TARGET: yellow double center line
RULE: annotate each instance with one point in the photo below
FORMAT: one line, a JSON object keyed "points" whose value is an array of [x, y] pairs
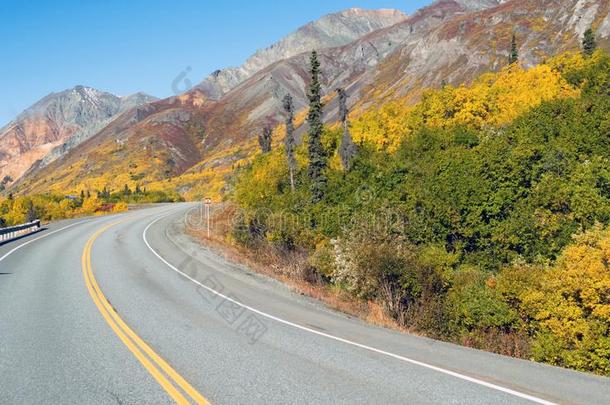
{"points": [[165, 375]]}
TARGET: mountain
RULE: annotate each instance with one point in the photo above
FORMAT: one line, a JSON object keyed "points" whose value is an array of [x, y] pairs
{"points": [[57, 123], [153, 141], [448, 41], [200, 136], [186, 117], [328, 32]]}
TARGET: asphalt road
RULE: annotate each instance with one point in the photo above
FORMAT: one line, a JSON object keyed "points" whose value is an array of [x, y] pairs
{"points": [[126, 309]]}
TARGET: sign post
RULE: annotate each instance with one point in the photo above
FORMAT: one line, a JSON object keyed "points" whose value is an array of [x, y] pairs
{"points": [[207, 202]]}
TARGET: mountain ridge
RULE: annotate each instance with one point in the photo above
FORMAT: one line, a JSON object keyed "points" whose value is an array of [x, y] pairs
{"points": [[58, 120], [329, 31]]}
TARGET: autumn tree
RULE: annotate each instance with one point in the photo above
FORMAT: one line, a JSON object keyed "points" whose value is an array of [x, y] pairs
{"points": [[513, 56], [347, 149], [571, 310], [317, 154], [290, 141], [264, 140], [588, 43]]}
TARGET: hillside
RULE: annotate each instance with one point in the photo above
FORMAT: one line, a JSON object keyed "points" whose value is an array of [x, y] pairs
{"points": [[479, 215]]}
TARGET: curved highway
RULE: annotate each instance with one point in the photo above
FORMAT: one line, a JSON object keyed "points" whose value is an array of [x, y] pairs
{"points": [[127, 309]]}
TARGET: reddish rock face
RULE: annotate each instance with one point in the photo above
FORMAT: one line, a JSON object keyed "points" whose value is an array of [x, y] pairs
{"points": [[59, 120], [28, 140]]}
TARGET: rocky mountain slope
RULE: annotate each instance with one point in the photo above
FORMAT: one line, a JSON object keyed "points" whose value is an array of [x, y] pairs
{"points": [[449, 41], [328, 32], [57, 123], [475, 5], [154, 141], [471, 44]]}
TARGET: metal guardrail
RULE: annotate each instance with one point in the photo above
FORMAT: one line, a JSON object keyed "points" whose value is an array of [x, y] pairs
{"points": [[18, 231]]}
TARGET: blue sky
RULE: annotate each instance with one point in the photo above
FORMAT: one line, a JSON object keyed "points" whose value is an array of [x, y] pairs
{"points": [[133, 45]]}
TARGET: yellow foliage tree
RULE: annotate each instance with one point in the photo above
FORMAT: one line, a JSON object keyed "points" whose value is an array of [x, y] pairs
{"points": [[495, 99], [17, 211], [120, 207], [572, 306], [91, 205]]}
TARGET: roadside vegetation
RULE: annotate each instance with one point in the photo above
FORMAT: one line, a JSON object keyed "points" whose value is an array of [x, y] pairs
{"points": [[16, 210], [479, 215]]}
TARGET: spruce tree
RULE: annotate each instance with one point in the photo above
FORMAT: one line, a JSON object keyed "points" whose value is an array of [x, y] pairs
{"points": [[348, 149], [317, 154], [289, 141], [31, 213], [264, 140], [513, 57], [588, 43]]}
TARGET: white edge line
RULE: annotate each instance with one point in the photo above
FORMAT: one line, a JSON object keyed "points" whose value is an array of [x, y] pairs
{"points": [[40, 237], [349, 342]]}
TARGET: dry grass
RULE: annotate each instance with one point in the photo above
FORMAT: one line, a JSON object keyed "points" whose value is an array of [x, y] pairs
{"points": [[292, 270]]}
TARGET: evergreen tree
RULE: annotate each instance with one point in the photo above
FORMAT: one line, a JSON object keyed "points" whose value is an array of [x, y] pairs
{"points": [[82, 195], [126, 190], [290, 141], [138, 190], [588, 43], [88, 194], [513, 57], [317, 154], [264, 140], [31, 214], [348, 149]]}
